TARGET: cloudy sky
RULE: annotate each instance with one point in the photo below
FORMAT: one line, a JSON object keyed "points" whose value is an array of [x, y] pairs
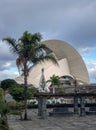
{"points": [[73, 21]]}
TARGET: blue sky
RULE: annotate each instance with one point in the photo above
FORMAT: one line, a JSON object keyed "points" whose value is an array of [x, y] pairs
{"points": [[90, 61], [72, 21]]}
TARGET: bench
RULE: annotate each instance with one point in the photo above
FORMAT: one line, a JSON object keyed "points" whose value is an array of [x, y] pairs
{"points": [[92, 111], [60, 111]]}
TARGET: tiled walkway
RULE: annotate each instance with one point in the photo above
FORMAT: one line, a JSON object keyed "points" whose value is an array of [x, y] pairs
{"points": [[74, 122]]}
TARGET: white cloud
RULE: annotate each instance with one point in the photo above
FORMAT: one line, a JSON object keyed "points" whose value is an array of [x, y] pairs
{"points": [[6, 65], [70, 20], [91, 66], [7, 59], [5, 53], [8, 74], [86, 49]]}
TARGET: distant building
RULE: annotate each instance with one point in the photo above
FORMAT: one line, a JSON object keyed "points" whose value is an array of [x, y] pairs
{"points": [[71, 65]]}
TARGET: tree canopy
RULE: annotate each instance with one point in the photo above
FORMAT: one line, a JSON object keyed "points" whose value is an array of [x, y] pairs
{"points": [[7, 83]]}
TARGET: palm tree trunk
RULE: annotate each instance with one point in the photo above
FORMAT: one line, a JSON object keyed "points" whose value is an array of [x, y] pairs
{"points": [[25, 91], [53, 89]]}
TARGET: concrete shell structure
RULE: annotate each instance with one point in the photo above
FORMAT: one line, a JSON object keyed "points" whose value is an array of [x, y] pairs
{"points": [[70, 63]]}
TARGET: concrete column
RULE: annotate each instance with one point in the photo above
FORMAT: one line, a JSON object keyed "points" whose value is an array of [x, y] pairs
{"points": [[42, 107], [82, 106], [76, 104]]}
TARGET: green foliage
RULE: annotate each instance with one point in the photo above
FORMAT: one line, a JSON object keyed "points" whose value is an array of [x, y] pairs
{"points": [[15, 89], [7, 83], [3, 125], [4, 109], [54, 80], [18, 92], [29, 50], [16, 107], [31, 92], [1, 96], [3, 105]]}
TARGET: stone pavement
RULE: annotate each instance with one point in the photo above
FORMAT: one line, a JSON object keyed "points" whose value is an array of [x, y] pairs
{"points": [[74, 122]]}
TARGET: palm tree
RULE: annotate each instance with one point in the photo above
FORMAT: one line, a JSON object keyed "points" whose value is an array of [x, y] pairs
{"points": [[29, 51], [55, 81]]}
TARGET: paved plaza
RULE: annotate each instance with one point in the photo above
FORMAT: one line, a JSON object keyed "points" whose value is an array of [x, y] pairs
{"points": [[72, 122]]}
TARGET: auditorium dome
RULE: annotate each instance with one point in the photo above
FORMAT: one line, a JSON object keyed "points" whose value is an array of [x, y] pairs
{"points": [[70, 64]]}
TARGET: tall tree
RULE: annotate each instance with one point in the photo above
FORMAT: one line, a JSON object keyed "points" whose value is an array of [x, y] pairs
{"points": [[30, 52]]}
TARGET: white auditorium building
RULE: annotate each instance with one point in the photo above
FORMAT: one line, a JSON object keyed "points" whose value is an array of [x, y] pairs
{"points": [[70, 62]]}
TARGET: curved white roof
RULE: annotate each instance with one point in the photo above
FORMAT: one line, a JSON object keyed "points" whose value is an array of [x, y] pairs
{"points": [[76, 64], [70, 63]]}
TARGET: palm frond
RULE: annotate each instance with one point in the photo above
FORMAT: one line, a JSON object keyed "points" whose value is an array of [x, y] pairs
{"points": [[36, 38], [49, 58], [12, 44], [41, 46], [44, 58], [48, 81], [55, 80], [37, 60]]}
